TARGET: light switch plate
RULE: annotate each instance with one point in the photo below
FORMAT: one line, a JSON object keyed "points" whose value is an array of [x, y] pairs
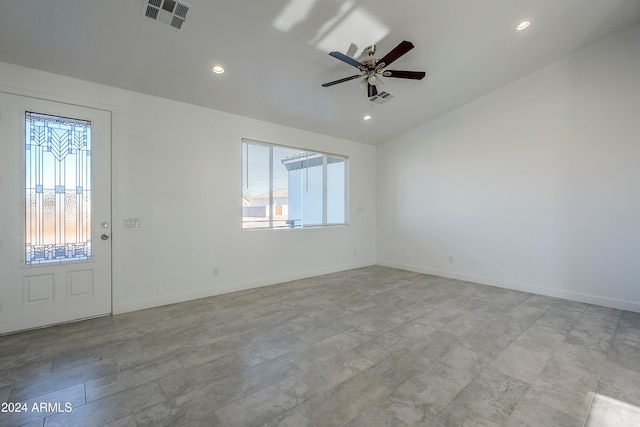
{"points": [[131, 222]]}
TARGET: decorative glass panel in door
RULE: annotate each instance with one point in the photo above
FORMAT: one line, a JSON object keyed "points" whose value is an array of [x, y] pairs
{"points": [[58, 189]]}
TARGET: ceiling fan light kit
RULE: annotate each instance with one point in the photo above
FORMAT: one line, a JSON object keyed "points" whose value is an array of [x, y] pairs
{"points": [[371, 68]]}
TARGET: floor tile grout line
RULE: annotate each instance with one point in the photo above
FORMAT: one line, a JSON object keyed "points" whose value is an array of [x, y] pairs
{"points": [[586, 417], [312, 395], [546, 363], [593, 396]]}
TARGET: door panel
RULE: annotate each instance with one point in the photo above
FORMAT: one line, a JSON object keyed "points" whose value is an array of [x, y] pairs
{"points": [[56, 204]]}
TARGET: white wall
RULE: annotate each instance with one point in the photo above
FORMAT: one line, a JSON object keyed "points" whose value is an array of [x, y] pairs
{"points": [[535, 186], [177, 167]]}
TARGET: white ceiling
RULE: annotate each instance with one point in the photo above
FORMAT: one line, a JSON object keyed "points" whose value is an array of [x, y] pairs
{"points": [[275, 52]]}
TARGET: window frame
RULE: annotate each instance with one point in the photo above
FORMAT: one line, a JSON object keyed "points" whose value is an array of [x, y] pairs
{"points": [[325, 156]]}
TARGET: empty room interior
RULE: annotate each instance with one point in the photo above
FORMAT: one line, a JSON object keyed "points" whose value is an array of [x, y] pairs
{"points": [[319, 213]]}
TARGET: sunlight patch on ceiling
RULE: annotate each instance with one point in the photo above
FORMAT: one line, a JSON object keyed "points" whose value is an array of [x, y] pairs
{"points": [[327, 26], [293, 13], [349, 24], [358, 26]]}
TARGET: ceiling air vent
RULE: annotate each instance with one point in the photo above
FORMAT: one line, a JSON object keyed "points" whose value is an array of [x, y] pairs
{"points": [[381, 98], [168, 12]]}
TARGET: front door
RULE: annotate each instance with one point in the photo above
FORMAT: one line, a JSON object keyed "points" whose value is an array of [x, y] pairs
{"points": [[55, 199]]}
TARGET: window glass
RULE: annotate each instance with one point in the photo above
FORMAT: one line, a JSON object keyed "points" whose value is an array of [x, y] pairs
{"points": [[255, 186], [57, 189], [336, 185], [286, 187]]}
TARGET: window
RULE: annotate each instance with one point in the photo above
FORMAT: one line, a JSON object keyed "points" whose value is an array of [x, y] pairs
{"points": [[284, 187], [57, 189]]}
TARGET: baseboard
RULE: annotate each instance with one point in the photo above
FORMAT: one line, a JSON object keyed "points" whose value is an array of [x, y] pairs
{"points": [[233, 287], [524, 287]]}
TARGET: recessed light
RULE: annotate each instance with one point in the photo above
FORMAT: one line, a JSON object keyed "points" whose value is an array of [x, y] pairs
{"points": [[523, 25], [218, 69], [367, 117]]}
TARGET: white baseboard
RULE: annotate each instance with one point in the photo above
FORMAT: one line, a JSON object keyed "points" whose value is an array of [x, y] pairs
{"points": [[524, 287], [490, 281], [233, 287]]}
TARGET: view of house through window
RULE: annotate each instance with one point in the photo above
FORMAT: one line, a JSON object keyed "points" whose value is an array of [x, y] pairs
{"points": [[284, 187]]}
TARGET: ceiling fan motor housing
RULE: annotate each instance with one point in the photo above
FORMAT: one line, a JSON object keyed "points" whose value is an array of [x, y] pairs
{"points": [[370, 62]]}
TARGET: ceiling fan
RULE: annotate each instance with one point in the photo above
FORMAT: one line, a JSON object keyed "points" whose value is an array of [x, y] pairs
{"points": [[371, 68]]}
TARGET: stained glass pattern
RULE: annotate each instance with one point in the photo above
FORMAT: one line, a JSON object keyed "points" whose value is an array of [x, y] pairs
{"points": [[57, 189]]}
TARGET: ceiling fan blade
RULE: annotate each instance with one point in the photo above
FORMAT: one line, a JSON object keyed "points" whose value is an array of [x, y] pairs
{"points": [[352, 50], [344, 58], [346, 79], [371, 90], [402, 48], [415, 75]]}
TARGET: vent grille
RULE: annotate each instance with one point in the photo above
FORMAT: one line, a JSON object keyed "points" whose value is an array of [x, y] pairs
{"points": [[381, 98], [167, 12]]}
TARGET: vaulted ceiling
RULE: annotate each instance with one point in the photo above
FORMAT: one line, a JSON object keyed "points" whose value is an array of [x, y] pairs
{"points": [[275, 52]]}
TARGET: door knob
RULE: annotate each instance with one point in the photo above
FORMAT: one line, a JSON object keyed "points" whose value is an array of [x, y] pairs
{"points": [[105, 236]]}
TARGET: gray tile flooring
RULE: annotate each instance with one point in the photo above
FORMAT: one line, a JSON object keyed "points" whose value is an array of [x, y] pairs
{"points": [[367, 347]]}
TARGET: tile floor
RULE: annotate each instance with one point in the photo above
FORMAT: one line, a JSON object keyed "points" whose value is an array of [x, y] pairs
{"points": [[367, 347]]}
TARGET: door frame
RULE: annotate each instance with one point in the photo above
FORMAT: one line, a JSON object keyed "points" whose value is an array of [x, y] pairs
{"points": [[75, 102]]}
